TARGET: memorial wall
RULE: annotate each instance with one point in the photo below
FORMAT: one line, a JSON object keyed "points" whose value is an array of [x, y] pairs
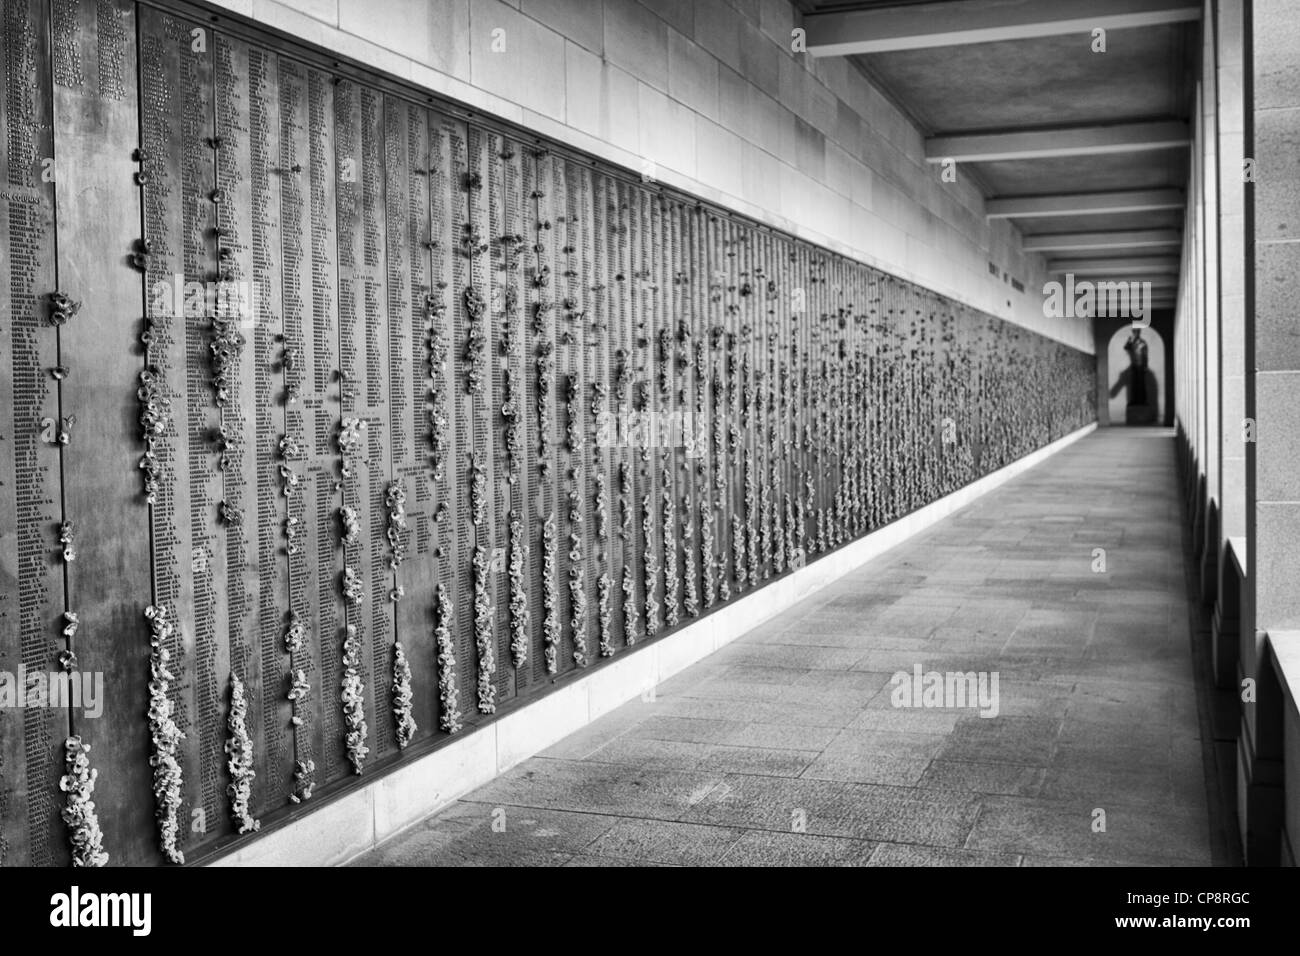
{"points": [[335, 420]]}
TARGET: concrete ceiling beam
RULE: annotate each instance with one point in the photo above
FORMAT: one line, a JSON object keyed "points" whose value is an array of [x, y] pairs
{"points": [[1160, 284], [1117, 239], [1126, 266], [1052, 143], [1083, 204], [958, 22]]}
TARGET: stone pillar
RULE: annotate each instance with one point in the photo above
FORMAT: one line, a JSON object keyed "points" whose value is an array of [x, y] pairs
{"points": [[1207, 146], [1272, 400], [1192, 287], [1225, 627]]}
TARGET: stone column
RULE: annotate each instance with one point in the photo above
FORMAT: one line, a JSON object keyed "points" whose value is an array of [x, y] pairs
{"points": [[1207, 152], [1272, 400], [1225, 627], [1192, 302]]}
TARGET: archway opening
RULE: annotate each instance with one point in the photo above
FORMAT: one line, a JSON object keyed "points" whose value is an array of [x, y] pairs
{"points": [[1136, 363]]}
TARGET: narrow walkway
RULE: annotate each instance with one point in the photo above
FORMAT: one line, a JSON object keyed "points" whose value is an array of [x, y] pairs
{"points": [[785, 746]]}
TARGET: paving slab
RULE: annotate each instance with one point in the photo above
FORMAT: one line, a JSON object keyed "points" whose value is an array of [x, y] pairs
{"points": [[773, 848]]}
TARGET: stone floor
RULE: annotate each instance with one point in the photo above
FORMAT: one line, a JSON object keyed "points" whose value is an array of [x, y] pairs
{"points": [[784, 747]]}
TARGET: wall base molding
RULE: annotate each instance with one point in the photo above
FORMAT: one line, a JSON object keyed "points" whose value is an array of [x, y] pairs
{"points": [[355, 822]]}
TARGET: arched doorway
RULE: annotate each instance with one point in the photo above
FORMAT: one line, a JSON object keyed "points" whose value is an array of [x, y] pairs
{"points": [[1136, 397]]}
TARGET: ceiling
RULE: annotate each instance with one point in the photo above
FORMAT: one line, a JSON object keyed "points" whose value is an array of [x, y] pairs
{"points": [[1014, 90]]}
